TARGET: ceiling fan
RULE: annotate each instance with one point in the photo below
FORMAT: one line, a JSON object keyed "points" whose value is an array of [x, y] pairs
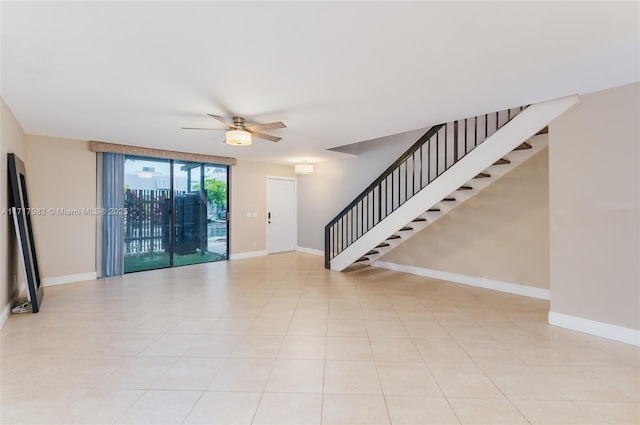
{"points": [[240, 132]]}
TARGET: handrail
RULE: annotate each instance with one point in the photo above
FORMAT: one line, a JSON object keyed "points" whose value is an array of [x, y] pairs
{"points": [[436, 151]]}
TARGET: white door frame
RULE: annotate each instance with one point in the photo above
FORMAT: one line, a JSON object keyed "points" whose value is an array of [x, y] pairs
{"points": [[295, 208]]}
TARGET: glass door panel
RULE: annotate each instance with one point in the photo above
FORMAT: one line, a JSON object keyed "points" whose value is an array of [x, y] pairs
{"points": [[216, 190], [199, 202], [147, 230]]}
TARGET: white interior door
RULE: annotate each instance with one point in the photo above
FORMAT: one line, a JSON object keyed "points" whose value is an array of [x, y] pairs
{"points": [[281, 214]]}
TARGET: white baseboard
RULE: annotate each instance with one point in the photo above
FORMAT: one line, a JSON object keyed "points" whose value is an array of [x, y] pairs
{"points": [[481, 282], [19, 291], [310, 251], [5, 314], [250, 254], [604, 330], [71, 278]]}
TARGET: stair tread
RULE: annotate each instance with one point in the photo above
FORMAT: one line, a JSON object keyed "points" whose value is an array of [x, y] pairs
{"points": [[523, 146], [361, 259], [405, 228], [433, 210], [465, 187], [482, 176], [382, 245], [502, 161], [449, 199], [372, 252], [393, 237], [419, 219], [543, 131]]}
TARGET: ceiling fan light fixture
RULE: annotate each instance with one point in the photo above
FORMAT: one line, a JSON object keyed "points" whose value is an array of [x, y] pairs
{"points": [[304, 168], [238, 138]]}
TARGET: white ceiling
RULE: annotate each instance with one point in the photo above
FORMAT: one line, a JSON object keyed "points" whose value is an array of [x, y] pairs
{"points": [[336, 73]]}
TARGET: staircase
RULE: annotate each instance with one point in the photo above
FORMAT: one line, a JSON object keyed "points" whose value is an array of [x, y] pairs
{"points": [[449, 164]]}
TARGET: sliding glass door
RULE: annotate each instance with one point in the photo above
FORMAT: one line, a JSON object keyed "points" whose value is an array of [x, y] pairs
{"points": [[176, 213]]}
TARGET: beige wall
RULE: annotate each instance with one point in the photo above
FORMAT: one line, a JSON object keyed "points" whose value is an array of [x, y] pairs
{"points": [[501, 234], [248, 195], [62, 175], [11, 141], [594, 176]]}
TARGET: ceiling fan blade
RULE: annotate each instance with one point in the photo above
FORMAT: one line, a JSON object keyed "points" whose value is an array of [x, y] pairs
{"points": [[223, 120], [268, 126], [200, 128], [264, 136]]}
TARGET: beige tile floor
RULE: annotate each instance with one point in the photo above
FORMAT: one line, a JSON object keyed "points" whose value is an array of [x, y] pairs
{"points": [[280, 340]]}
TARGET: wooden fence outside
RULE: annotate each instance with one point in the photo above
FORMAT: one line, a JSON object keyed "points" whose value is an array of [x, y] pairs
{"points": [[147, 216]]}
